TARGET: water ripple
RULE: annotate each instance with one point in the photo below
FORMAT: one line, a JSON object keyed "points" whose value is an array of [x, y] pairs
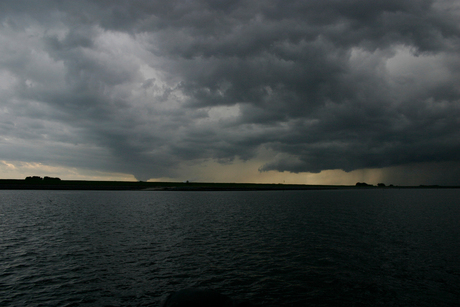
{"points": [[321, 248]]}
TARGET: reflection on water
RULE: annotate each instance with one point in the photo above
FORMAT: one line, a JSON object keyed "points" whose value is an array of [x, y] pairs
{"points": [[322, 248]]}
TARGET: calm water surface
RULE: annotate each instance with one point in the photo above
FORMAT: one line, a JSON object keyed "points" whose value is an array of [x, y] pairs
{"points": [[293, 248]]}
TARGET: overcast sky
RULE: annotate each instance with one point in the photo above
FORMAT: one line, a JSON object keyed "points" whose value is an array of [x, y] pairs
{"points": [[331, 91]]}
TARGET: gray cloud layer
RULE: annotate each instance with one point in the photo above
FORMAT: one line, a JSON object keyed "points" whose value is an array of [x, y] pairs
{"points": [[141, 86]]}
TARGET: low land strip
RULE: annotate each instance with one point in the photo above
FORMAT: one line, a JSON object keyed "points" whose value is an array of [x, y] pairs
{"points": [[18, 184]]}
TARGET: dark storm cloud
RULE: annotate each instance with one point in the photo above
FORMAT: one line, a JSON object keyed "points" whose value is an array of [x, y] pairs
{"points": [[322, 84]]}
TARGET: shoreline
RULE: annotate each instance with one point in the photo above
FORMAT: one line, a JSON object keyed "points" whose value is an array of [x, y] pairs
{"points": [[20, 184]]}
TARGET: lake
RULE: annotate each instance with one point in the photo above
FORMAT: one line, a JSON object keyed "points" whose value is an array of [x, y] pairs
{"points": [[379, 247]]}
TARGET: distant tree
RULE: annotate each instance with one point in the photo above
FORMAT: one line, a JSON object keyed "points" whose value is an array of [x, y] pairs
{"points": [[363, 184], [381, 185], [34, 178], [51, 178]]}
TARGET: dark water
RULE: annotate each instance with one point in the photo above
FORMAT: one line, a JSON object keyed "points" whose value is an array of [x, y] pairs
{"points": [[297, 248]]}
